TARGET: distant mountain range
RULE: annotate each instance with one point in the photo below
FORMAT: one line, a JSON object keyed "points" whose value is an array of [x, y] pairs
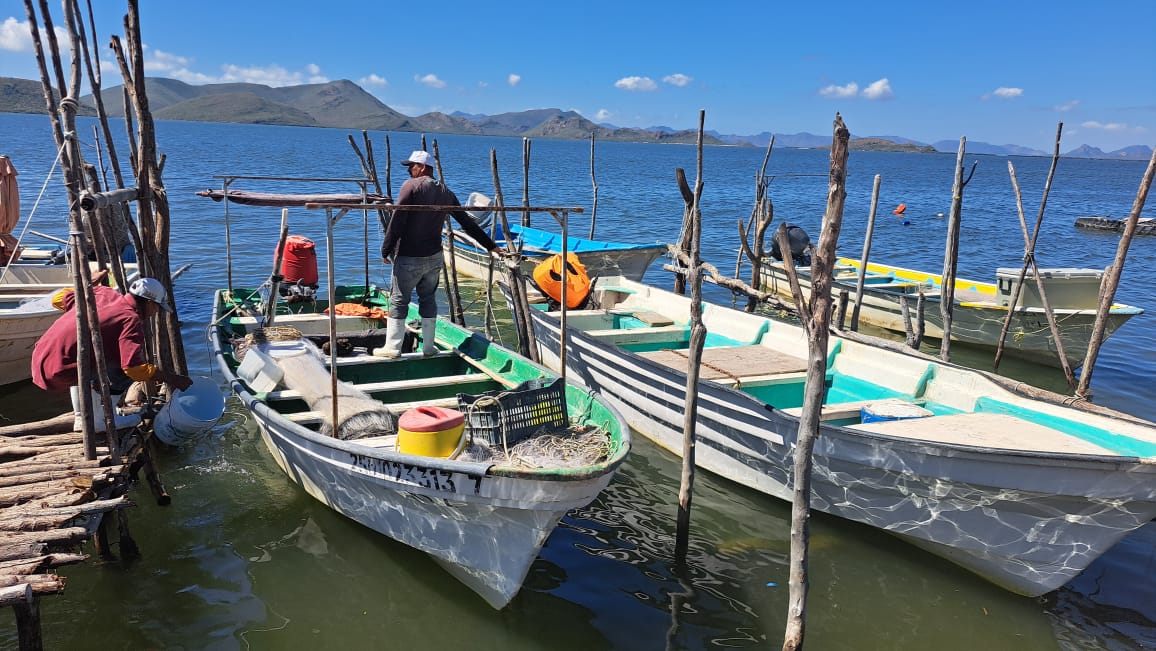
{"points": [[345, 105]]}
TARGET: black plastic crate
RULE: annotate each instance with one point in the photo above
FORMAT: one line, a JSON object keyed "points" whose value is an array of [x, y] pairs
{"points": [[531, 407]]}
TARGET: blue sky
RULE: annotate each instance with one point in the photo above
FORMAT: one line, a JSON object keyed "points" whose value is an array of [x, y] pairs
{"points": [[1001, 72]]}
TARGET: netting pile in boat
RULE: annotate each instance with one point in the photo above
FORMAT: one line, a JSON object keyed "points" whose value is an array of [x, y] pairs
{"points": [[358, 414], [576, 446], [528, 426]]}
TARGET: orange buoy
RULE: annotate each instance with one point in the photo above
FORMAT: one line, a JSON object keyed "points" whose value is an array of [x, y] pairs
{"points": [[900, 209]]}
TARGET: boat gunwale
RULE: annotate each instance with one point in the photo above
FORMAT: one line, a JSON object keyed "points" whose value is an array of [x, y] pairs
{"points": [[260, 408]]}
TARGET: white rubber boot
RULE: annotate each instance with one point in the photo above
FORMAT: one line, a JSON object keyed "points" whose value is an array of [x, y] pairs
{"points": [[119, 420], [394, 336], [429, 328]]}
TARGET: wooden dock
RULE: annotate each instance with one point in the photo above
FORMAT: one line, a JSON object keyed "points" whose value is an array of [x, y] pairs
{"points": [[53, 500]]}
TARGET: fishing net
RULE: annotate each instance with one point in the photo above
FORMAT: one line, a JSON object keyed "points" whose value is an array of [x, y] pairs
{"points": [[575, 446], [528, 427], [358, 414]]}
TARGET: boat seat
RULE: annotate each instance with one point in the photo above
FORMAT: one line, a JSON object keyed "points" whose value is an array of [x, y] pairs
{"points": [[842, 410], [732, 365], [653, 319], [396, 385], [309, 324], [395, 408], [618, 337]]}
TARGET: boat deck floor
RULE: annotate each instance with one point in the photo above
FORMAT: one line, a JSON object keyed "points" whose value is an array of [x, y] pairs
{"points": [[731, 362], [996, 431]]}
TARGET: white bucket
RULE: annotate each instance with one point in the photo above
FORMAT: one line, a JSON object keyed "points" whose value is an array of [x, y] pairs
{"points": [[190, 412]]}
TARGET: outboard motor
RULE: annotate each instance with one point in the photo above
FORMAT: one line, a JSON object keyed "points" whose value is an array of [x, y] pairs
{"points": [[800, 246]]}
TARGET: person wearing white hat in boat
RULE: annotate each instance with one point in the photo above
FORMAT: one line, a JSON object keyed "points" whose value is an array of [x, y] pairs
{"points": [[413, 245], [121, 317]]}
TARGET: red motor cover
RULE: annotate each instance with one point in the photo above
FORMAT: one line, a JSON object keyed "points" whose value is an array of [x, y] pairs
{"points": [[300, 261], [428, 418]]}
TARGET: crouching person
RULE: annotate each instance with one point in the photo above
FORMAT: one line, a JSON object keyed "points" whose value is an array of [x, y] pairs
{"points": [[121, 318]]}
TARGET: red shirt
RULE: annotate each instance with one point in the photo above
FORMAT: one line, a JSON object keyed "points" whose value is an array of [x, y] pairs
{"points": [[121, 331]]}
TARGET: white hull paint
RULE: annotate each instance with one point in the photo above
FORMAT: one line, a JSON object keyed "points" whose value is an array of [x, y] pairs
{"points": [[485, 530], [1026, 521]]}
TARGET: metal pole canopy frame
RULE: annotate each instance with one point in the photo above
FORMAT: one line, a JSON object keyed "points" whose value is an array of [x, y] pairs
{"points": [[560, 213], [274, 200]]}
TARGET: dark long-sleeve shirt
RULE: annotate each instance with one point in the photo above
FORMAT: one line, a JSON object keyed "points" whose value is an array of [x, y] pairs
{"points": [[418, 234]]}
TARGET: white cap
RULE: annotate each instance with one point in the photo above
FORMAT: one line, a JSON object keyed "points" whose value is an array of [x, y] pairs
{"points": [[419, 157], [151, 289]]}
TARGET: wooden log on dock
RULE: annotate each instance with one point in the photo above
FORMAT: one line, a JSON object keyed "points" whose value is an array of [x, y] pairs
{"points": [[61, 423], [15, 594]]}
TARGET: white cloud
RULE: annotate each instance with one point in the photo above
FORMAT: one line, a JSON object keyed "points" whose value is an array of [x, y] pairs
{"points": [[373, 80], [430, 80], [15, 36], [878, 90], [1110, 126], [272, 75], [602, 115], [1068, 106], [840, 92], [677, 79], [1005, 93], [513, 79], [636, 83], [160, 61]]}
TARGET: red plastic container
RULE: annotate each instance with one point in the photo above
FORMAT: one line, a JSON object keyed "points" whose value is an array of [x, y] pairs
{"points": [[430, 419], [300, 261]]}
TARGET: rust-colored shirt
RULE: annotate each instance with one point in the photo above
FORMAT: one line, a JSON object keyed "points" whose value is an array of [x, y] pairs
{"points": [[121, 330]]}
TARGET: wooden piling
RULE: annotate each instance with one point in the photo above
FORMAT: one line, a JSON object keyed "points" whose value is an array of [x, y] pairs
{"points": [[687, 217], [1112, 279], [951, 252], [594, 183], [1030, 260], [450, 267], [527, 345], [694, 355], [866, 254], [817, 325], [762, 214]]}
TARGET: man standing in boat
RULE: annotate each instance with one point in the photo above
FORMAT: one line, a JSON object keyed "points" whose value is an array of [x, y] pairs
{"points": [[121, 317], [413, 245]]}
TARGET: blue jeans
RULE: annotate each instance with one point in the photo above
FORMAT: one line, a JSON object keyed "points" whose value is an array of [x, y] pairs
{"points": [[421, 274]]}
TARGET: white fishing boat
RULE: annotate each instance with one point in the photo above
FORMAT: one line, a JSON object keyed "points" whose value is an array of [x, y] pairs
{"points": [[26, 311], [980, 308], [1015, 486], [510, 449]]}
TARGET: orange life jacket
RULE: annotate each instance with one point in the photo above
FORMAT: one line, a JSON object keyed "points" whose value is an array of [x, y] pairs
{"points": [[548, 278]]}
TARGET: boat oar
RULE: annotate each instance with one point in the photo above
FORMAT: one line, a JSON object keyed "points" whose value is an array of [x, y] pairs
{"points": [[276, 278]]}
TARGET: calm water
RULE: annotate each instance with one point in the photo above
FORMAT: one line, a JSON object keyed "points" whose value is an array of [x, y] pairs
{"points": [[243, 559]]}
